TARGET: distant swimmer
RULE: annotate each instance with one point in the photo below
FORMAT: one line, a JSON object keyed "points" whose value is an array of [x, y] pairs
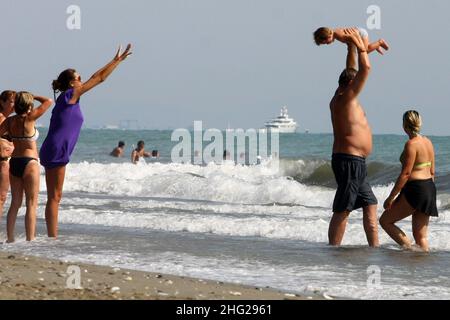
{"points": [[155, 154], [415, 187], [64, 130], [226, 155], [352, 145], [328, 36], [119, 150], [139, 153]]}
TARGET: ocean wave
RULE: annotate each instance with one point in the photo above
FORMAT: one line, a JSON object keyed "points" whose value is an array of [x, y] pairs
{"points": [[265, 184], [319, 172]]}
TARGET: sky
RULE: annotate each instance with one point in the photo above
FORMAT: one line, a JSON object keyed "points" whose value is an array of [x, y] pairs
{"points": [[229, 62]]}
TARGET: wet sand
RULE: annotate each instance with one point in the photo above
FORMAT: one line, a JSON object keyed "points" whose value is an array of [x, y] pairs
{"points": [[30, 278]]}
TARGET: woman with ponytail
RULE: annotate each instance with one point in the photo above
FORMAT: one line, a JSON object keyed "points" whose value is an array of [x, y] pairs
{"points": [[64, 130], [415, 186]]}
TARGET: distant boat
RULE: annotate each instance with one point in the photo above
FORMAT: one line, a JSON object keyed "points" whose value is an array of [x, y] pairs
{"points": [[283, 123]]}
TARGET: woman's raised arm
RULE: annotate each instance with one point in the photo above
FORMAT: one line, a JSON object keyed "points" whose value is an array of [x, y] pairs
{"points": [[101, 75]]}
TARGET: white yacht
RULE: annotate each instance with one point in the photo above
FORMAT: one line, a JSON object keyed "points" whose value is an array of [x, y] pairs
{"points": [[283, 123]]}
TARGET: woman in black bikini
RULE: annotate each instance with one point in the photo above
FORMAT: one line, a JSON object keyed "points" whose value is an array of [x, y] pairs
{"points": [[415, 185], [6, 148], [24, 164]]}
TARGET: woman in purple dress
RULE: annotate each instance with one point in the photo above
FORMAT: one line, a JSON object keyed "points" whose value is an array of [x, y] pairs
{"points": [[64, 130]]}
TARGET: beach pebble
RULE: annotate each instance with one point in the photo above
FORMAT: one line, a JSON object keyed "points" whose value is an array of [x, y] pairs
{"points": [[11, 257], [169, 282], [160, 293], [40, 272], [158, 276], [235, 293], [116, 269], [290, 295], [128, 278], [41, 279], [115, 289]]}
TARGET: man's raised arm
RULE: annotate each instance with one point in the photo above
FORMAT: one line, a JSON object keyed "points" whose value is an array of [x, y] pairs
{"points": [[358, 83], [351, 56]]}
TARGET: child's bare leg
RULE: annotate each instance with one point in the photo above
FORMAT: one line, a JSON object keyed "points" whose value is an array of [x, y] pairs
{"points": [[377, 46]]}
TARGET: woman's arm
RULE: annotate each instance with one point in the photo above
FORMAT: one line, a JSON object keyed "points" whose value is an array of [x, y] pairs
{"points": [[101, 75], [6, 148], [4, 127], [433, 172], [408, 164], [46, 103]]}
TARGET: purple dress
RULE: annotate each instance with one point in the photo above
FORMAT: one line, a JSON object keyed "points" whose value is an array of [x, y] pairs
{"points": [[65, 127]]}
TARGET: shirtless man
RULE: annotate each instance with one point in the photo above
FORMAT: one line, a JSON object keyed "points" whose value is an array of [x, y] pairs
{"points": [[118, 151], [352, 145], [139, 152]]}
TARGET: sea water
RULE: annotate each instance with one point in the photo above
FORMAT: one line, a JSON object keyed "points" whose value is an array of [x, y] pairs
{"points": [[263, 225]]}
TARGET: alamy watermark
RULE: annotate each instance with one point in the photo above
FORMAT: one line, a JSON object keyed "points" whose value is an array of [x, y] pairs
{"points": [[203, 146], [374, 19], [73, 21], [73, 281], [374, 278]]}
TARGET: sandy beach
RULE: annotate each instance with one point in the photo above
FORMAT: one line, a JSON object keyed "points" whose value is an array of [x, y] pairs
{"points": [[30, 278]]}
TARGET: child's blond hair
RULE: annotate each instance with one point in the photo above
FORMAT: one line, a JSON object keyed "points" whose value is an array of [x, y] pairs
{"points": [[321, 35]]}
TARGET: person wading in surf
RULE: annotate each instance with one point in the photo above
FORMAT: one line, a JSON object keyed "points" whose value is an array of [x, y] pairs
{"points": [[352, 145]]}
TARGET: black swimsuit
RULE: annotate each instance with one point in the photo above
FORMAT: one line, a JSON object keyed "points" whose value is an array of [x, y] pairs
{"points": [[17, 165], [421, 195]]}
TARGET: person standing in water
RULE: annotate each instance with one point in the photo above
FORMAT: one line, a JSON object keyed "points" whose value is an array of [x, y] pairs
{"points": [[352, 145], [6, 147], [415, 186], [64, 130], [24, 164]]}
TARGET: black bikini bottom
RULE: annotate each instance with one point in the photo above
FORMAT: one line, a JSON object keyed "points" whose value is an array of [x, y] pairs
{"points": [[17, 166]]}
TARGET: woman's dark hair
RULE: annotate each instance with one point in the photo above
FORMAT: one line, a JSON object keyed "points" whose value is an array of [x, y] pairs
{"points": [[23, 103], [6, 95], [63, 82]]}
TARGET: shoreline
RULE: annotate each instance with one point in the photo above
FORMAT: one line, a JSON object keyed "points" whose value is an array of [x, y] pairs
{"points": [[32, 278]]}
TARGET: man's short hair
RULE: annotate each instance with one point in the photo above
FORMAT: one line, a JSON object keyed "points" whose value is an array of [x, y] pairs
{"points": [[121, 144], [346, 76]]}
